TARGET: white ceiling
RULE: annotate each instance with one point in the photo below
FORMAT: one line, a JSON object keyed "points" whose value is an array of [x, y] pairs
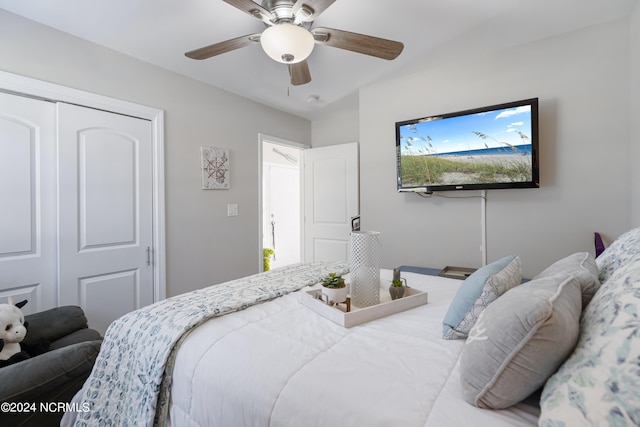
{"points": [[160, 31]]}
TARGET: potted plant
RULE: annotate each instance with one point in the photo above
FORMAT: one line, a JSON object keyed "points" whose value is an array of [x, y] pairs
{"points": [[335, 289], [267, 254], [396, 290]]}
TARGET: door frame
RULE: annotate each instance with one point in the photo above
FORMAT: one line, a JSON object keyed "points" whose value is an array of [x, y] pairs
{"points": [[280, 141], [20, 85]]}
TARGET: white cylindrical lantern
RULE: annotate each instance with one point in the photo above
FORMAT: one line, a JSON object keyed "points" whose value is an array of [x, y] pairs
{"points": [[365, 268]]}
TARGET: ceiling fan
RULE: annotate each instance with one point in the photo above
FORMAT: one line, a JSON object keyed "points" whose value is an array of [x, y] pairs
{"points": [[289, 38]]}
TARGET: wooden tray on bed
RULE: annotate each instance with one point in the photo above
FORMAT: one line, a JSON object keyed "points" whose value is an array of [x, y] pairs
{"points": [[338, 314]]}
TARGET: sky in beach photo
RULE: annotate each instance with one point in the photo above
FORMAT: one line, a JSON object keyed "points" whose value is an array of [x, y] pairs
{"points": [[455, 134]]}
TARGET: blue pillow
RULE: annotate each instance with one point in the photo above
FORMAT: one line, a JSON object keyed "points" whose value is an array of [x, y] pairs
{"points": [[479, 290]]}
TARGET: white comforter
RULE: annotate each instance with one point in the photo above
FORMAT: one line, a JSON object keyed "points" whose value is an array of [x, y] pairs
{"points": [[281, 364]]}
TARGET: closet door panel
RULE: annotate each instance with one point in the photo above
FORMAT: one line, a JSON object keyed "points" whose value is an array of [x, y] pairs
{"points": [[28, 208], [106, 212], [19, 186]]}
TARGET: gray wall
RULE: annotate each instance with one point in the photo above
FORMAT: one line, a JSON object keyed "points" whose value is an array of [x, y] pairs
{"points": [[337, 124], [204, 246], [583, 82], [635, 113]]}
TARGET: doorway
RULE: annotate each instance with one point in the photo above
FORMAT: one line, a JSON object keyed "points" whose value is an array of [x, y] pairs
{"points": [[281, 241]]}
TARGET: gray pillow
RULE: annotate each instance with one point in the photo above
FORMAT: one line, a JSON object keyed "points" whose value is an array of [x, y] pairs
{"points": [[582, 266], [519, 341]]}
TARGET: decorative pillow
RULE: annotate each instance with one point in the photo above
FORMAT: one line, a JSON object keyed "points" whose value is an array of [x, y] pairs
{"points": [[581, 265], [519, 341], [479, 290], [600, 383], [618, 253], [598, 244]]}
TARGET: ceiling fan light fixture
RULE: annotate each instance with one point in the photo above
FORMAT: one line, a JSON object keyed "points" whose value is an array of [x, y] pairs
{"points": [[287, 43]]}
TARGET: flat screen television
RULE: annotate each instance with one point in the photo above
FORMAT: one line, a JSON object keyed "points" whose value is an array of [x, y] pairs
{"points": [[483, 148]]}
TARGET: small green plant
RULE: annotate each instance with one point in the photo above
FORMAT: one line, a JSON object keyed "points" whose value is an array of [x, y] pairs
{"points": [[267, 253], [397, 283], [333, 281]]}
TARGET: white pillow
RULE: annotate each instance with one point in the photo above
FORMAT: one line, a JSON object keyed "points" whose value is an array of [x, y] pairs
{"points": [[618, 253]]}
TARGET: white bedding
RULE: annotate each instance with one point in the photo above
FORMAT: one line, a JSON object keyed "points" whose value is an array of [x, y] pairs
{"points": [[281, 364]]}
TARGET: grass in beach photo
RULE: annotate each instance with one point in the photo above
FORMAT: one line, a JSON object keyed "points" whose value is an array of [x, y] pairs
{"points": [[434, 170]]}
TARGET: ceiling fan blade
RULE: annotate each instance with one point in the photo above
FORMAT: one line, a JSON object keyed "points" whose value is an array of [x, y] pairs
{"points": [[252, 9], [360, 43], [299, 73], [308, 10], [223, 47]]}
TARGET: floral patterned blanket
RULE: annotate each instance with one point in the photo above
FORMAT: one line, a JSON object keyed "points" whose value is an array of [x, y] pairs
{"points": [[131, 379]]}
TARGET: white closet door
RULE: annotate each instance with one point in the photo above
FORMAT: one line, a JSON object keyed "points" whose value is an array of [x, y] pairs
{"points": [[27, 202], [105, 224], [331, 200]]}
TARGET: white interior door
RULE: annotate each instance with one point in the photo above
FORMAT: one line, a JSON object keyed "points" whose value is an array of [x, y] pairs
{"points": [[330, 200], [28, 202], [105, 223]]}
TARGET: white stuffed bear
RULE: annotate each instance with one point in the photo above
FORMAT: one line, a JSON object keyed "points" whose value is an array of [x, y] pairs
{"points": [[12, 332]]}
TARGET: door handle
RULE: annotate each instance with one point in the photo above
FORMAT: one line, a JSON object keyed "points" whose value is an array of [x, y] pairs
{"points": [[149, 255]]}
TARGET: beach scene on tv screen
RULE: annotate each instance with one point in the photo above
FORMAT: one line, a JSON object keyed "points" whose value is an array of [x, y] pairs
{"points": [[487, 147]]}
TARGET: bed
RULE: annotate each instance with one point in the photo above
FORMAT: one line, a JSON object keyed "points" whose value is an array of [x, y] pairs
{"points": [[276, 362], [282, 364]]}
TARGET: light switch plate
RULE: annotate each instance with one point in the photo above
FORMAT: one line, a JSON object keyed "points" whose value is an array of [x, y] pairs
{"points": [[232, 210]]}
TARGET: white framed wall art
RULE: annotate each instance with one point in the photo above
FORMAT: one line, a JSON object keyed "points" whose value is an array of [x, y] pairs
{"points": [[215, 168]]}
